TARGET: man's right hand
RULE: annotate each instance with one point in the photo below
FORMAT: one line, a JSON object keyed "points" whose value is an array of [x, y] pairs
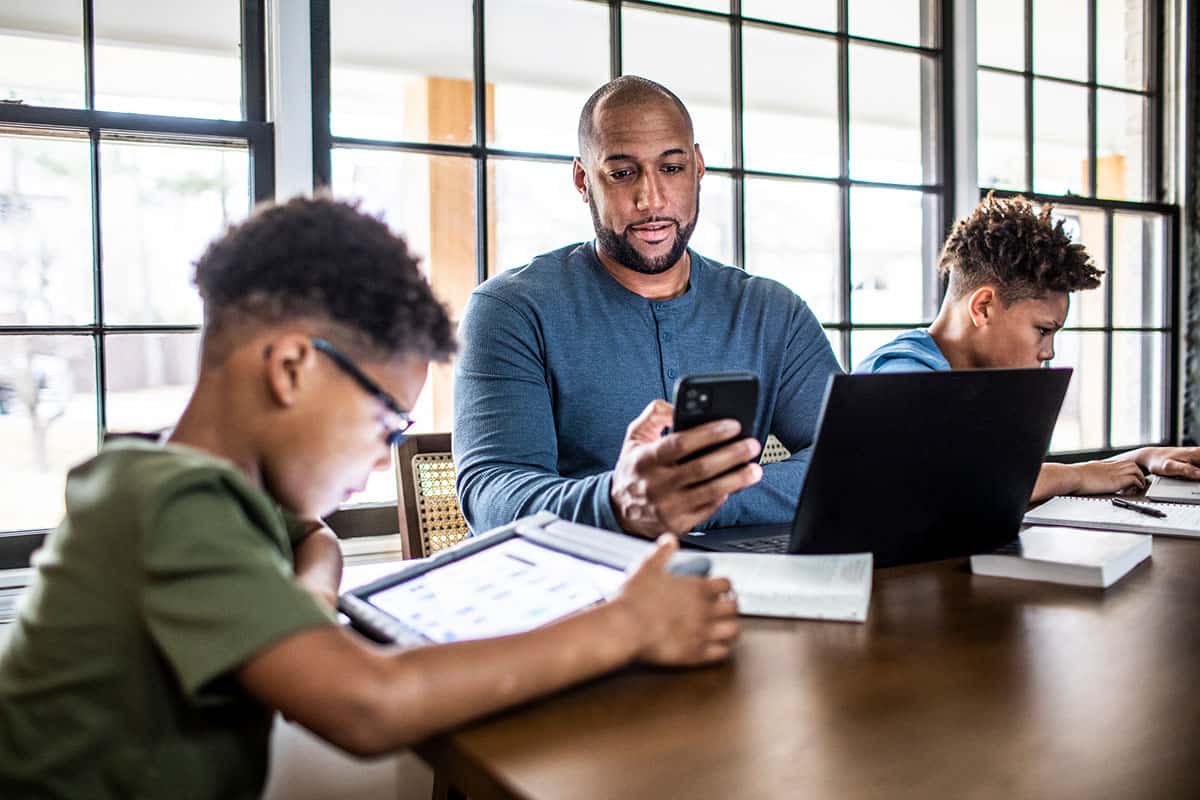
{"points": [[653, 493], [679, 621]]}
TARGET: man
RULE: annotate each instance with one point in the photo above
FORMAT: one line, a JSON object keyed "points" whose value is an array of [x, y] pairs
{"points": [[562, 353], [182, 601], [1011, 271]]}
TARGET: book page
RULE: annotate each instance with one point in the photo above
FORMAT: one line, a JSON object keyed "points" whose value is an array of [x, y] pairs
{"points": [[794, 575], [1183, 520]]}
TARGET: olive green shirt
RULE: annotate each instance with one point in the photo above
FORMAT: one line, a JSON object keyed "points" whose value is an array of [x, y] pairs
{"points": [[168, 572]]}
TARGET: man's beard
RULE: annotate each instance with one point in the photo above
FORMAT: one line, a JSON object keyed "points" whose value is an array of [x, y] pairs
{"points": [[621, 250]]}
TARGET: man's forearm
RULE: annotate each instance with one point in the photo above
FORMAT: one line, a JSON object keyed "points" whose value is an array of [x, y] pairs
{"points": [[496, 494]]}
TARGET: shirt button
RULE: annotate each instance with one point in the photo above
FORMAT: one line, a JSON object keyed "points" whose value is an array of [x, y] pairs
{"points": [[670, 373], [666, 336]]}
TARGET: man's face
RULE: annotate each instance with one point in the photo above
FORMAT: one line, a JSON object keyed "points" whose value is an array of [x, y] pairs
{"points": [[1022, 334], [641, 180], [338, 433]]}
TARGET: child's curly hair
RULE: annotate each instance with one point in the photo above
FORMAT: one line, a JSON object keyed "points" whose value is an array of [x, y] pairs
{"points": [[1022, 252], [326, 261]]}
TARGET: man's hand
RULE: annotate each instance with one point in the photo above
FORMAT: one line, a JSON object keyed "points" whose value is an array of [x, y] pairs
{"points": [[1107, 477], [1176, 462], [653, 493], [681, 621]]}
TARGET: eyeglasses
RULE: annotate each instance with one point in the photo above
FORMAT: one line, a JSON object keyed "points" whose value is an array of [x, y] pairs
{"points": [[394, 436]]}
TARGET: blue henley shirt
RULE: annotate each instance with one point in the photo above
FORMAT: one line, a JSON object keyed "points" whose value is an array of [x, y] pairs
{"points": [[558, 358]]}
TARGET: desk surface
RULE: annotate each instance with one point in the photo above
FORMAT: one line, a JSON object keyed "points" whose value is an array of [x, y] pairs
{"points": [[957, 686]]}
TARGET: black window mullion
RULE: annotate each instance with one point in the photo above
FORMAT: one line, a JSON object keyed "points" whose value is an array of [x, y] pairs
{"points": [[319, 53], [98, 288], [1092, 188], [254, 72], [739, 163], [89, 55], [479, 34], [614, 39], [1154, 78], [1108, 326], [1029, 95], [843, 111]]}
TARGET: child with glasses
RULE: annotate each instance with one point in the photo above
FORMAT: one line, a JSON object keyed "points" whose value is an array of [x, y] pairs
{"points": [[189, 593]]}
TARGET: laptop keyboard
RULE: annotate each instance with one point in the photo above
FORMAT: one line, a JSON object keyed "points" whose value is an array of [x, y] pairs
{"points": [[767, 544]]}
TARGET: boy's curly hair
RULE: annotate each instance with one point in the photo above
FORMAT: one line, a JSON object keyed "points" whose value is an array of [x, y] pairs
{"points": [[324, 260], [1022, 252]]}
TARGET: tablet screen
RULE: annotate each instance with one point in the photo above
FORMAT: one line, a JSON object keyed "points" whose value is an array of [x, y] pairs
{"points": [[512, 587]]}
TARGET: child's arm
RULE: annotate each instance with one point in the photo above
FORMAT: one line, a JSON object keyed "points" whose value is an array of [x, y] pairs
{"points": [[318, 560], [368, 699], [1091, 477]]}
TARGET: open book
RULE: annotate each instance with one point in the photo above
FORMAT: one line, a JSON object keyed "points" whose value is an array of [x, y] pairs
{"points": [[1064, 555], [816, 587], [1100, 513]]}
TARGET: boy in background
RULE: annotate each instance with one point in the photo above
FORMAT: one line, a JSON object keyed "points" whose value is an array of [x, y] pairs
{"points": [[1011, 272], [184, 599]]}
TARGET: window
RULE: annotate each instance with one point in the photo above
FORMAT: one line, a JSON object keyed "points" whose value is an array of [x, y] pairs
{"points": [[1067, 121], [131, 133], [819, 122]]}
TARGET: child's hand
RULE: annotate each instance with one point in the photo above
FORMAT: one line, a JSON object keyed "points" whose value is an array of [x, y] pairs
{"points": [[1106, 477], [680, 620], [1180, 462]]}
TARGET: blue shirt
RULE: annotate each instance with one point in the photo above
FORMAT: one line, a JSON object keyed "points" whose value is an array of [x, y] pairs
{"points": [[912, 351], [558, 358]]}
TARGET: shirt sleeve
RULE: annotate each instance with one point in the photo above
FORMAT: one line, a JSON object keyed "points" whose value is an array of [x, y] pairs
{"points": [[217, 587], [901, 363], [505, 443], [809, 361]]}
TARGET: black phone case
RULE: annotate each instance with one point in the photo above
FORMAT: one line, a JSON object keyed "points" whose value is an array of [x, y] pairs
{"points": [[725, 395]]}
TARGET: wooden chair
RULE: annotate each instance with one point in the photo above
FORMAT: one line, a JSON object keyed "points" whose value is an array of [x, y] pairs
{"points": [[774, 451], [430, 516]]}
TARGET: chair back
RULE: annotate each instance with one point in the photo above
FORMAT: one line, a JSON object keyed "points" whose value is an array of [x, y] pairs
{"points": [[430, 516], [774, 451]]}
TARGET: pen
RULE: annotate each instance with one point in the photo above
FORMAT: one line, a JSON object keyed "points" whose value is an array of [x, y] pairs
{"points": [[1149, 512]]}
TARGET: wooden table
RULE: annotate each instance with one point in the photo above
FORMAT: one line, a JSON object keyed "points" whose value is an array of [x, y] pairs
{"points": [[958, 686]]}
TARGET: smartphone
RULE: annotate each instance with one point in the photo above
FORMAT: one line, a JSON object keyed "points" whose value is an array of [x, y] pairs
{"points": [[723, 395]]}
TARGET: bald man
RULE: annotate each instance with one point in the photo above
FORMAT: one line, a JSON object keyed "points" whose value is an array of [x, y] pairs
{"points": [[568, 362]]}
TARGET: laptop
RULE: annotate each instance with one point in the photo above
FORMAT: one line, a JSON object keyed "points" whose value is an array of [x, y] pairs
{"points": [[915, 466]]}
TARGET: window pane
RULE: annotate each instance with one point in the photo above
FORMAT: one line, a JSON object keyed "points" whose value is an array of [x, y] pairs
{"points": [[535, 209], [721, 6], [144, 50], [835, 343], [1121, 26], [430, 201], [1001, 131], [41, 52], [1081, 422], [1060, 121], [1060, 38], [690, 56], [542, 81], [713, 237], [888, 275], [148, 379], [792, 236], [1138, 271], [892, 20], [863, 343], [1139, 377], [45, 231], [160, 206], [422, 91], [886, 116], [790, 126], [1000, 33], [1086, 226], [1121, 145], [47, 423], [811, 13]]}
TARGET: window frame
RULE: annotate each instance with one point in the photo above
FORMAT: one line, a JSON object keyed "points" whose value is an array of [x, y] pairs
{"points": [[254, 131], [1155, 183], [938, 18]]}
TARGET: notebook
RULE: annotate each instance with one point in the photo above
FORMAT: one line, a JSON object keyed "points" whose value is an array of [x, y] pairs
{"points": [[812, 587], [1098, 512], [1062, 555], [1173, 490]]}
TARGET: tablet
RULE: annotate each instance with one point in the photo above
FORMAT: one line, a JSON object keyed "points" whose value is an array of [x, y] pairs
{"points": [[516, 578]]}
